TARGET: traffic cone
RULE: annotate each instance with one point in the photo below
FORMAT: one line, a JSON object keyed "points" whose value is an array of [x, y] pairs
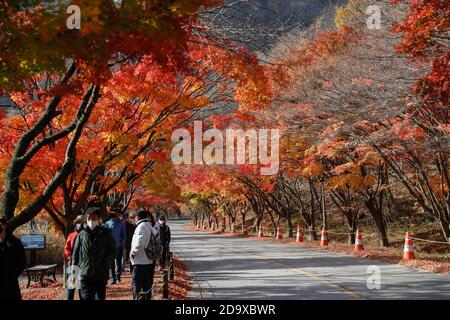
{"points": [[359, 241], [324, 238], [408, 252], [260, 232], [299, 233], [279, 233]]}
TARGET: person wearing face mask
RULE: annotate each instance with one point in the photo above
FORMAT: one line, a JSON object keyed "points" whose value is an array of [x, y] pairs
{"points": [[94, 251], [78, 226], [164, 232], [143, 267], [12, 263]]}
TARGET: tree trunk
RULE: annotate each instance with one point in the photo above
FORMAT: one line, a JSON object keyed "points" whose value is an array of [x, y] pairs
{"points": [[25, 150], [445, 227], [312, 232], [312, 226], [258, 223], [276, 227], [244, 230], [289, 220], [377, 215], [351, 223], [323, 208], [273, 221], [216, 219], [89, 101]]}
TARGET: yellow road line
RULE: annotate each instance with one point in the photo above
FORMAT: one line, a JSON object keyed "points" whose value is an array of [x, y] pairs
{"points": [[299, 270]]}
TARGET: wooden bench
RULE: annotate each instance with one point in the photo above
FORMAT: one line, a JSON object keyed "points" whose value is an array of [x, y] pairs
{"points": [[37, 273]]}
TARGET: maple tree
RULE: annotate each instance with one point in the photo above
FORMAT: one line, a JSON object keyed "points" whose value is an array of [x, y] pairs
{"points": [[107, 34], [355, 175], [425, 36], [363, 115], [127, 35], [359, 131], [386, 101], [115, 153], [425, 127], [125, 148]]}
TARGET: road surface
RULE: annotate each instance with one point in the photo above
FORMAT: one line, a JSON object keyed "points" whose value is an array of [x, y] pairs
{"points": [[237, 268]]}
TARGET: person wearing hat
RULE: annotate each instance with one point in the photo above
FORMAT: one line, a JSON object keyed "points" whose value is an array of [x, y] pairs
{"points": [[143, 267], [93, 253], [78, 226], [12, 263], [164, 232]]}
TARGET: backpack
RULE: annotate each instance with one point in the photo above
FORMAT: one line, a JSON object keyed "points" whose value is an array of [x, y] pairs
{"points": [[154, 249]]}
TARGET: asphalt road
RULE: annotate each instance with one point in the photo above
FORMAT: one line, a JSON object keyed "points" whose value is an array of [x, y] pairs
{"points": [[237, 268]]}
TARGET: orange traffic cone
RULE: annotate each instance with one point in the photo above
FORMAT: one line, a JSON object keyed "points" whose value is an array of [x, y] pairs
{"points": [[279, 233], [359, 241], [408, 252], [324, 238], [260, 232], [299, 233]]}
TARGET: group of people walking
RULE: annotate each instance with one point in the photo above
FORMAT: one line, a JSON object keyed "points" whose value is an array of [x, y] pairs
{"points": [[96, 250]]}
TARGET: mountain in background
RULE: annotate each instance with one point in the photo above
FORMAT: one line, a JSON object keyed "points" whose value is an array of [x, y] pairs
{"points": [[259, 23], [303, 12]]}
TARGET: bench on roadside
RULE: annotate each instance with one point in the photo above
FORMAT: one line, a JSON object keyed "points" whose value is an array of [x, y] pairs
{"points": [[37, 273]]}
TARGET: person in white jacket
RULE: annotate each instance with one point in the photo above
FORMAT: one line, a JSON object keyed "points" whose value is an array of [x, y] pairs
{"points": [[143, 267]]}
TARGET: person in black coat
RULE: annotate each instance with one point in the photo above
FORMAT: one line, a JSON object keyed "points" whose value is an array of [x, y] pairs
{"points": [[130, 226], [93, 252], [12, 263], [164, 232]]}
